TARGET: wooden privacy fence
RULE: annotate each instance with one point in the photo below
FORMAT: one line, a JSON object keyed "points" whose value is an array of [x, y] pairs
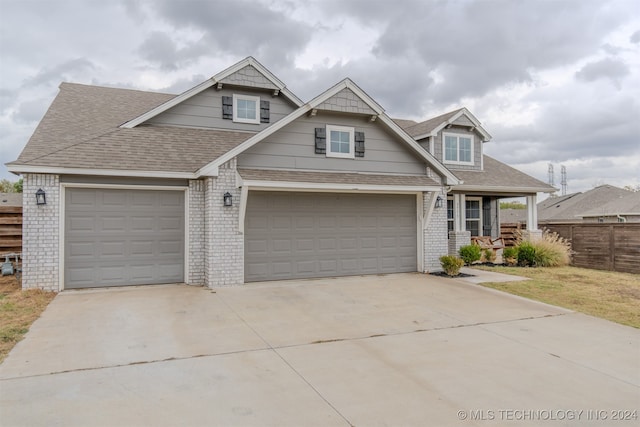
{"points": [[613, 247], [10, 229], [509, 231]]}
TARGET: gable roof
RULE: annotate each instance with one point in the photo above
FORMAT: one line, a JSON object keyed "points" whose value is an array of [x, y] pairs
{"points": [[347, 83], [573, 206], [79, 134], [432, 126], [216, 79], [625, 205], [498, 177]]}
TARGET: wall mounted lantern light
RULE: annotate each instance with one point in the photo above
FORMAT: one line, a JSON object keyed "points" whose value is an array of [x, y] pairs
{"points": [[41, 197], [227, 199], [438, 202]]}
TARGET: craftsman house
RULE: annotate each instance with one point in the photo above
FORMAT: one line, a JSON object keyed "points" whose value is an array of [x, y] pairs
{"points": [[237, 180]]}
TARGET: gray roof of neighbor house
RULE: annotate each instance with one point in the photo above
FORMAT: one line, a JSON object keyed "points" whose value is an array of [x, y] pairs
{"points": [[499, 177], [626, 205], [10, 199], [573, 206], [81, 130], [509, 216]]}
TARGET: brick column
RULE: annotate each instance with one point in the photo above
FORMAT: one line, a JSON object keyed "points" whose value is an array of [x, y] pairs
{"points": [[435, 232], [224, 244], [41, 233], [458, 239], [196, 232]]}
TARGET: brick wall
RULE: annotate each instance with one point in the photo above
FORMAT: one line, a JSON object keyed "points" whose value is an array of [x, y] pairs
{"points": [[224, 244], [457, 240], [435, 233], [41, 233], [196, 232]]}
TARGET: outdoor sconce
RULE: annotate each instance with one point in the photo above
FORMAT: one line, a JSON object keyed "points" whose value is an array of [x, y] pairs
{"points": [[438, 202], [228, 199], [41, 197]]}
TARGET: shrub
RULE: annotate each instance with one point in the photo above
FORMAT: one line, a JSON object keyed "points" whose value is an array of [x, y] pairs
{"points": [[489, 255], [552, 251], [526, 254], [510, 255], [470, 253], [451, 264]]}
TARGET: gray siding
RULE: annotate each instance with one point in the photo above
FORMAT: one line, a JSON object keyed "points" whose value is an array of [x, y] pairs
{"points": [[463, 121], [120, 180], [204, 110], [293, 148], [477, 149], [249, 76]]}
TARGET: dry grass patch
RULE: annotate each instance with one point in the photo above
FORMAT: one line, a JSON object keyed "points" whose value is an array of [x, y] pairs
{"points": [[606, 294], [18, 310]]}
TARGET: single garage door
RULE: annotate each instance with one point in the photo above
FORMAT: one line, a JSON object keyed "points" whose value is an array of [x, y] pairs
{"points": [[298, 235], [119, 237]]}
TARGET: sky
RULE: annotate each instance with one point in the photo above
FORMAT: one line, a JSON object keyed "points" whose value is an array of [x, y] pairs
{"points": [[554, 82]]}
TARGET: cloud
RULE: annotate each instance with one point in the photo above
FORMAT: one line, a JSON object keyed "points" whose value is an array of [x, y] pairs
{"points": [[31, 111], [161, 49], [635, 37], [60, 72], [607, 68]]}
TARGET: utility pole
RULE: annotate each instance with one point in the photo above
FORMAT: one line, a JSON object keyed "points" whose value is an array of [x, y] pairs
{"points": [[551, 178], [563, 179]]}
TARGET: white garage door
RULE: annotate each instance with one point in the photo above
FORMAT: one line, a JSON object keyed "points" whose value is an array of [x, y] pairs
{"points": [[298, 235], [118, 237]]}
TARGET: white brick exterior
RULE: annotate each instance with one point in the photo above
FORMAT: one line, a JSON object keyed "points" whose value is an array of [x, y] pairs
{"points": [[41, 233], [196, 232], [458, 239], [224, 244], [435, 233]]}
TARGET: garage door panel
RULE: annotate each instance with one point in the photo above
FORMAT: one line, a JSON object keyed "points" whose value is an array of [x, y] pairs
{"points": [[331, 234], [127, 237]]}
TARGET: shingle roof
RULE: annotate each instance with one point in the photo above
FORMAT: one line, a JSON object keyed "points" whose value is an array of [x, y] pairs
{"points": [[428, 125], [498, 175], [628, 204], [81, 129], [573, 206], [335, 178]]}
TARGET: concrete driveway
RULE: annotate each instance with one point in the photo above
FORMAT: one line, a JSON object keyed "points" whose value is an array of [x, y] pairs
{"points": [[395, 350]]}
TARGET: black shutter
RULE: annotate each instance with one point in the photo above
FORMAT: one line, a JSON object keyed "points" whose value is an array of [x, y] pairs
{"points": [[227, 107], [264, 111], [321, 141], [358, 138]]}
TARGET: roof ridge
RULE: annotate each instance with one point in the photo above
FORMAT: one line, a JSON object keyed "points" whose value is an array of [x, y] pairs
{"points": [[114, 88]]}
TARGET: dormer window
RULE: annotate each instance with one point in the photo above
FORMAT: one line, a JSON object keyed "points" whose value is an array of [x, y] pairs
{"points": [[457, 149]]}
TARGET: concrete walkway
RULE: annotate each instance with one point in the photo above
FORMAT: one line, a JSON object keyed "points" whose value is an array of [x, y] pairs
{"points": [[405, 349]]}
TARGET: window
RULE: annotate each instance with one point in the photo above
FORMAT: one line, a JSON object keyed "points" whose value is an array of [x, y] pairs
{"points": [[450, 214], [474, 217], [457, 148], [246, 109], [340, 141]]}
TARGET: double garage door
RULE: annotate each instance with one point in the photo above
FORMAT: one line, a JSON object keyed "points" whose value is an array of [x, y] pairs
{"points": [[300, 235], [119, 237]]}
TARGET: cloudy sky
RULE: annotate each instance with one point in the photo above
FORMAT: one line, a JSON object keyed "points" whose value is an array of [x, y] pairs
{"points": [[553, 81]]}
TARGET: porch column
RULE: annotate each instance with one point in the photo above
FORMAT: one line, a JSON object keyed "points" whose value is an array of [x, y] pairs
{"points": [[532, 213], [459, 236]]}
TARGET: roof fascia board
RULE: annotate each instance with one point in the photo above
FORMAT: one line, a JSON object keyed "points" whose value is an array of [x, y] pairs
{"points": [[314, 186], [20, 169], [498, 189]]}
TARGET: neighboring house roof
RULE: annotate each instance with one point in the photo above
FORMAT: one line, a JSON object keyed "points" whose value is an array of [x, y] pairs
{"points": [[220, 79], [432, 126], [500, 178], [404, 123], [573, 206], [509, 216], [626, 205], [10, 199]]}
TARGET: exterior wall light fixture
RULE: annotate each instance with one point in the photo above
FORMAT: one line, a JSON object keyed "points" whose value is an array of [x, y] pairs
{"points": [[227, 199], [41, 197]]}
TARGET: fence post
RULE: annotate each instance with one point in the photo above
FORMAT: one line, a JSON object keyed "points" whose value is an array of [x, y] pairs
{"points": [[612, 249]]}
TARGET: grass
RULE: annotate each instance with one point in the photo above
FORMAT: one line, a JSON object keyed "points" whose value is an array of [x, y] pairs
{"points": [[606, 294], [18, 310]]}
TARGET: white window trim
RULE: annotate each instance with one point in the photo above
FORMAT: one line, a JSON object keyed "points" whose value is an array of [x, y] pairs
{"points": [[351, 131], [237, 119], [458, 136], [479, 219]]}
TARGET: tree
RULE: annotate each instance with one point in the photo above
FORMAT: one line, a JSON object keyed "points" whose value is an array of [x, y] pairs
{"points": [[7, 186]]}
